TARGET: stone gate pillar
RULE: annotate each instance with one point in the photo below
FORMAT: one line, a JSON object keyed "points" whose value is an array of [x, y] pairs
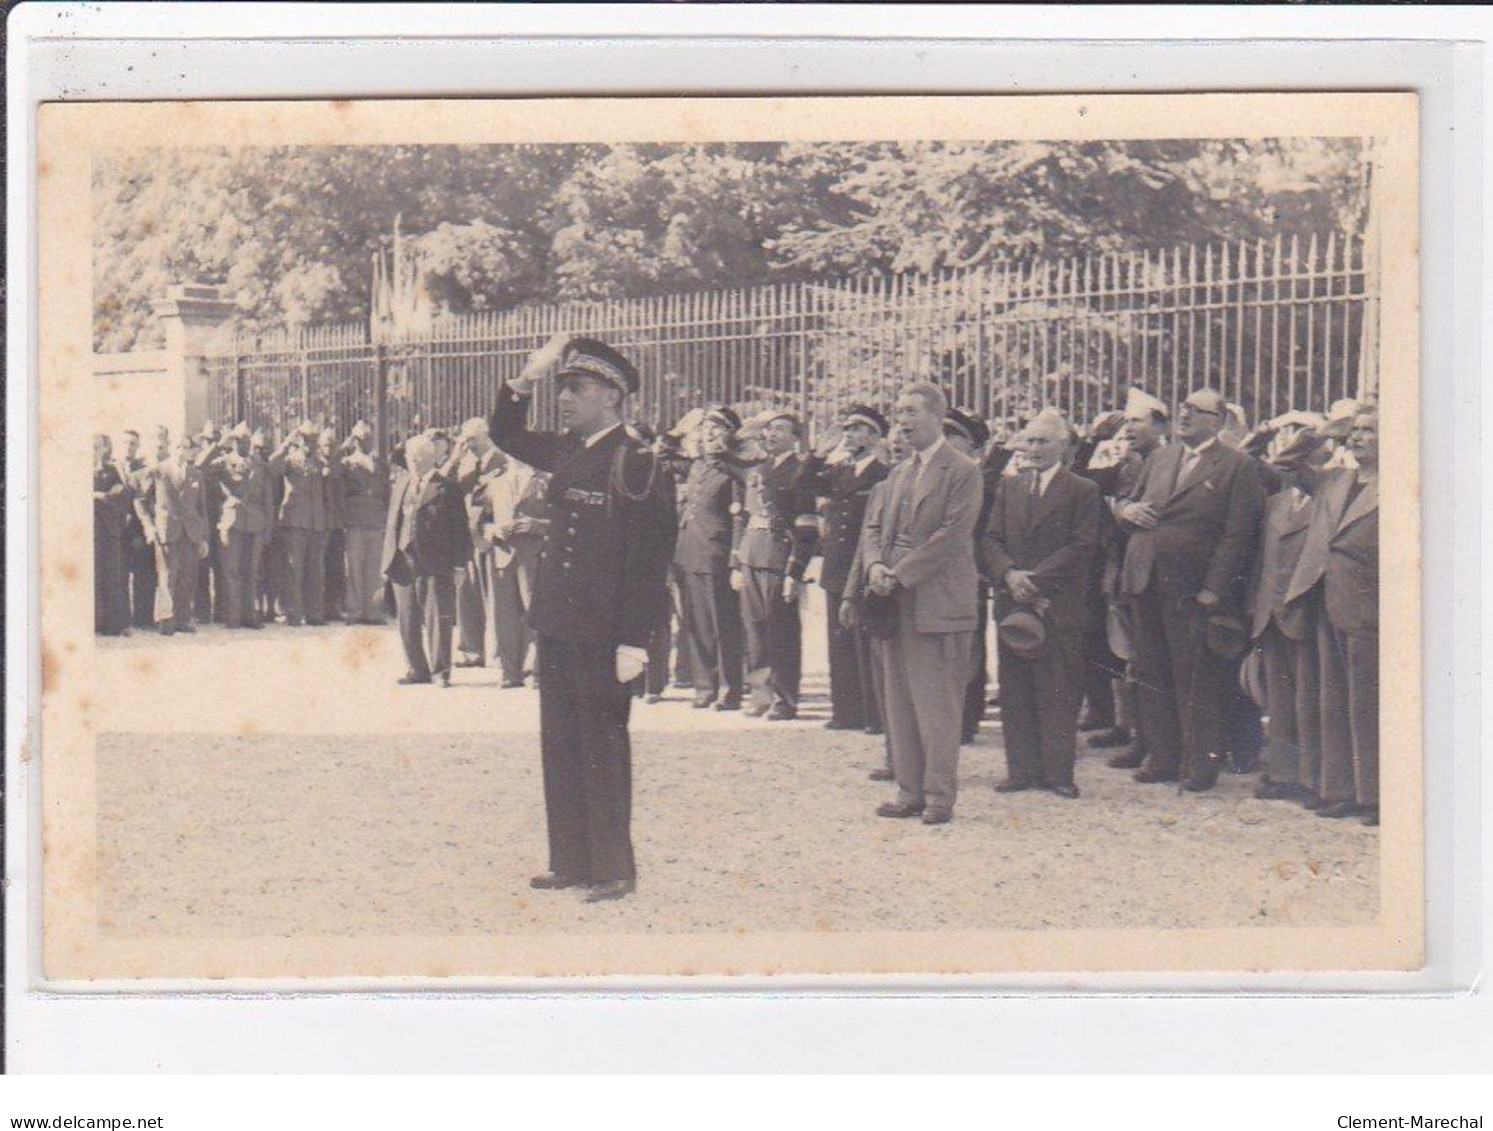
{"points": [[192, 315]]}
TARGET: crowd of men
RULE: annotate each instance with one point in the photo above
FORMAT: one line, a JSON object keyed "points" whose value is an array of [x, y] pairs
{"points": [[1192, 593]]}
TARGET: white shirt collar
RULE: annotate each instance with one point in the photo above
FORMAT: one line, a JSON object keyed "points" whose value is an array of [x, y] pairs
{"points": [[777, 460], [596, 437]]}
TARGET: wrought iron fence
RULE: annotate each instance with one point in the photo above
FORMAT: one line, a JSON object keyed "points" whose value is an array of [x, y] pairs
{"points": [[1273, 325]]}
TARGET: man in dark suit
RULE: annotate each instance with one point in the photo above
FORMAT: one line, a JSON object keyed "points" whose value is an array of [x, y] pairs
{"points": [[969, 435], [1194, 521], [774, 539], [710, 611], [425, 532], [302, 523], [600, 587], [173, 513], [1038, 552], [1339, 566], [365, 507], [844, 469], [111, 505], [919, 552], [243, 480]]}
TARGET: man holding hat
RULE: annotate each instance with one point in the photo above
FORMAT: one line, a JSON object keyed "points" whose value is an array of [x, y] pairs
{"points": [[1038, 555], [844, 469], [774, 540], [600, 588], [1194, 519], [710, 611]]}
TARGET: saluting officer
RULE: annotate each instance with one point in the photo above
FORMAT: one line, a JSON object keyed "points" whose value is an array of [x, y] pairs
{"points": [[774, 539], [599, 589], [844, 469]]}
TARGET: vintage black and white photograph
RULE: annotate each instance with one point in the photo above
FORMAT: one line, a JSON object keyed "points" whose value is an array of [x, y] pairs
{"points": [[849, 536]]}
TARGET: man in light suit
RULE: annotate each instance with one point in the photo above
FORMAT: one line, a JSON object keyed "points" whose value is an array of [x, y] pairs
{"points": [[1038, 551], [1285, 633], [514, 526], [476, 608], [1194, 520], [425, 530], [1340, 566], [173, 511], [919, 551]]}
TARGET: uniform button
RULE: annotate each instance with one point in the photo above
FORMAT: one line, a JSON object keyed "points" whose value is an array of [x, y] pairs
{"points": [[566, 564]]}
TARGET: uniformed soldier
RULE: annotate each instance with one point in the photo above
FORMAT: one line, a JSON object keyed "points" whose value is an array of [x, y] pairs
{"points": [[844, 469], [774, 539], [710, 619], [598, 591]]}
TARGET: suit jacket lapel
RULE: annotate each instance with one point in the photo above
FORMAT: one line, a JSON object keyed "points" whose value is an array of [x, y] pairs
{"points": [[1366, 502], [1200, 472], [1047, 500]]}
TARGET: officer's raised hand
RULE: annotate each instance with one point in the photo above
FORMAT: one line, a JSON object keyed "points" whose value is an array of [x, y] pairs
{"points": [[738, 580], [542, 362]]}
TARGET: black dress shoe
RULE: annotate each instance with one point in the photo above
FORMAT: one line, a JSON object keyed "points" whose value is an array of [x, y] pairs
{"points": [[898, 811], [552, 881], [1068, 791], [615, 889], [653, 698], [876, 730], [1339, 809], [470, 662], [512, 684], [938, 816], [1201, 783], [1011, 785], [835, 724], [1371, 815], [782, 714], [1153, 777], [882, 775], [1130, 760], [1108, 739], [411, 677], [1310, 800], [729, 703], [703, 699]]}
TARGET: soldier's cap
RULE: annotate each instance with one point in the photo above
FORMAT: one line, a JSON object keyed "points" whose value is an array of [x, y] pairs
{"points": [[763, 419], [724, 415], [1024, 632], [1138, 401], [865, 414], [587, 357], [962, 422]]}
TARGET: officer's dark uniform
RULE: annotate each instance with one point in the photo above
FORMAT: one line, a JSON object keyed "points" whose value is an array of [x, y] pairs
{"points": [[775, 535], [846, 486], [711, 612], [600, 583]]}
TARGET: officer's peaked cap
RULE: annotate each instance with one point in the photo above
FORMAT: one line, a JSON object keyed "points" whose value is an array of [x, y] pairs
{"points": [[587, 357]]}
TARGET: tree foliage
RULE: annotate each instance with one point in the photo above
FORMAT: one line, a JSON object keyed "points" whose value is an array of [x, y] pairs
{"points": [[290, 233]]}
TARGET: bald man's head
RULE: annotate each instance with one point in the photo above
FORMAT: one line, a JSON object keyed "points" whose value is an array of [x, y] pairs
{"points": [[1201, 417]]}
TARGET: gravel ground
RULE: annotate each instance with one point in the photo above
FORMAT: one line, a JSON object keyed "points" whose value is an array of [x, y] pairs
{"points": [[246, 830]]}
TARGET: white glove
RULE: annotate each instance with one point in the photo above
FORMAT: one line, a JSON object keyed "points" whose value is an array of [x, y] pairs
{"points": [[630, 662]]}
